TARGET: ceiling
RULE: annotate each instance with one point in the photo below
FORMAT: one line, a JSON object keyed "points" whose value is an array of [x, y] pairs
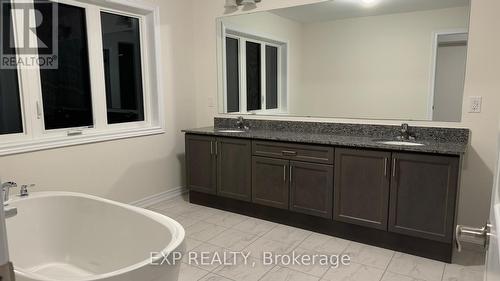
{"points": [[342, 9]]}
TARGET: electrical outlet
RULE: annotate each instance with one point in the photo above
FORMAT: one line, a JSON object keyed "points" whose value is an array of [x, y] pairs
{"points": [[475, 104]]}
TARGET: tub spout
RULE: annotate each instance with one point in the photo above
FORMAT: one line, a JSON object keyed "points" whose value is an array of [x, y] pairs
{"points": [[6, 190]]}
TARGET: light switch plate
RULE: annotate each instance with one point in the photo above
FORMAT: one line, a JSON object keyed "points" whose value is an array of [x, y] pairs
{"points": [[475, 104]]}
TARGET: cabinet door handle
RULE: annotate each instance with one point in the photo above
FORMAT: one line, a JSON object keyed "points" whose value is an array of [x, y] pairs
{"points": [[394, 162], [211, 148], [216, 148], [284, 173], [386, 160], [289, 153], [291, 173]]}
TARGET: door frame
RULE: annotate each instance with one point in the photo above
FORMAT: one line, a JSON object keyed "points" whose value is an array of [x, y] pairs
{"points": [[432, 78]]}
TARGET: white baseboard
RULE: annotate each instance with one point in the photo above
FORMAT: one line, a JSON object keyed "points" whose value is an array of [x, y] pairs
{"points": [[157, 198]]}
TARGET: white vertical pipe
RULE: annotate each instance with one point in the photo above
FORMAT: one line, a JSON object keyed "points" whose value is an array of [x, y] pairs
{"points": [[4, 249]]}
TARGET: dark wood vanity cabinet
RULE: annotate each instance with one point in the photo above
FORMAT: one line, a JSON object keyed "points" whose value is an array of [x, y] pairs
{"points": [[219, 166], [270, 181], [311, 188], [280, 180], [201, 163], [234, 168], [423, 195], [404, 201], [362, 187]]}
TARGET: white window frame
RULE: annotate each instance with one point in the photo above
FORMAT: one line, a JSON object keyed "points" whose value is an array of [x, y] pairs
{"points": [[36, 137], [243, 36]]}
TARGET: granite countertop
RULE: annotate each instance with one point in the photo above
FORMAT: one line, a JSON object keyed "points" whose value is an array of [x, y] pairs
{"points": [[438, 146]]}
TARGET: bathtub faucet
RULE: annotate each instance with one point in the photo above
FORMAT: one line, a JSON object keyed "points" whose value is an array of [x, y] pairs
{"points": [[6, 190], [9, 212]]}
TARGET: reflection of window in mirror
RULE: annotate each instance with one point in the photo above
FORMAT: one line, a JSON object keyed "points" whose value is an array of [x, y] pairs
{"points": [[255, 73]]}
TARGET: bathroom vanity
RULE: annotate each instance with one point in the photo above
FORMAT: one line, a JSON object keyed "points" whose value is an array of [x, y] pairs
{"points": [[339, 179], [339, 59]]}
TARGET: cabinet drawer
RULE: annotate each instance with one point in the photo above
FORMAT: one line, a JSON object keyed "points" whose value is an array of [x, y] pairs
{"points": [[299, 152]]}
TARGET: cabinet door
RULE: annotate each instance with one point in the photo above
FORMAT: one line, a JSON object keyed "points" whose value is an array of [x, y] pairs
{"points": [[270, 182], [234, 168], [361, 193], [311, 187], [423, 195], [200, 163]]}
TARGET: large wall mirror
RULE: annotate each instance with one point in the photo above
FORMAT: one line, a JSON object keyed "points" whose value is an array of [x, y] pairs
{"points": [[373, 59]]}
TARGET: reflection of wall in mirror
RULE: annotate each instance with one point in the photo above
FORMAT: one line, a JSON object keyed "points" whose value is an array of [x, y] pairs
{"points": [[373, 67]]}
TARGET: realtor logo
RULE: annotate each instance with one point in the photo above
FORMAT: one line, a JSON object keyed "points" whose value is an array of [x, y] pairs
{"points": [[29, 34]]}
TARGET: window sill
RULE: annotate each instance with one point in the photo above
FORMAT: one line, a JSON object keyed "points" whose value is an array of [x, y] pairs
{"points": [[43, 144]]}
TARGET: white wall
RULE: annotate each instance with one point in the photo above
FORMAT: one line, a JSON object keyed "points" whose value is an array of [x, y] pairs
{"points": [[131, 169], [482, 79], [372, 67], [449, 84]]}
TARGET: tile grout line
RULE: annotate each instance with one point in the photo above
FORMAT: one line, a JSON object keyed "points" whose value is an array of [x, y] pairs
{"points": [[341, 253], [260, 236], [267, 272], [388, 264], [444, 270]]}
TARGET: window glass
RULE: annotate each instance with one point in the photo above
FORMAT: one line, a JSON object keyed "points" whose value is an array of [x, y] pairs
{"points": [[122, 68], [254, 87], [66, 90], [232, 75], [10, 103], [271, 77]]}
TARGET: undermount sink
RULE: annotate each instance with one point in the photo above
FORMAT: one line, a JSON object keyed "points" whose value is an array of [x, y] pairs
{"points": [[402, 143], [230, 131]]}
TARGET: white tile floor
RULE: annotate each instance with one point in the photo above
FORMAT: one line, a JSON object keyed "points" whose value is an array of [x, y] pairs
{"points": [[214, 230]]}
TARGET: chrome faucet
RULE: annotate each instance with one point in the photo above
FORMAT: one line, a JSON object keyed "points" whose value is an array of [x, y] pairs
{"points": [[240, 123], [6, 190], [9, 212], [405, 133]]}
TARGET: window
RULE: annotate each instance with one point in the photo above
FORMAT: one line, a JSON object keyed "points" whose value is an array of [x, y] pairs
{"points": [[122, 64], [10, 104], [260, 63], [91, 80], [66, 90], [10, 101]]}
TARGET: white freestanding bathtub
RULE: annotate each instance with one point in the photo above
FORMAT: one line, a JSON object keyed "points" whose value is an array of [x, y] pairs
{"points": [[60, 236]]}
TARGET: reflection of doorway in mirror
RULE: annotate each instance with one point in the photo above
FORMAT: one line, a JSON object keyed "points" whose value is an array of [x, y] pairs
{"points": [[450, 49]]}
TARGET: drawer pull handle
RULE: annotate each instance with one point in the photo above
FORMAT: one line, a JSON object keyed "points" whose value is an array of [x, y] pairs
{"points": [[289, 153], [385, 166]]}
